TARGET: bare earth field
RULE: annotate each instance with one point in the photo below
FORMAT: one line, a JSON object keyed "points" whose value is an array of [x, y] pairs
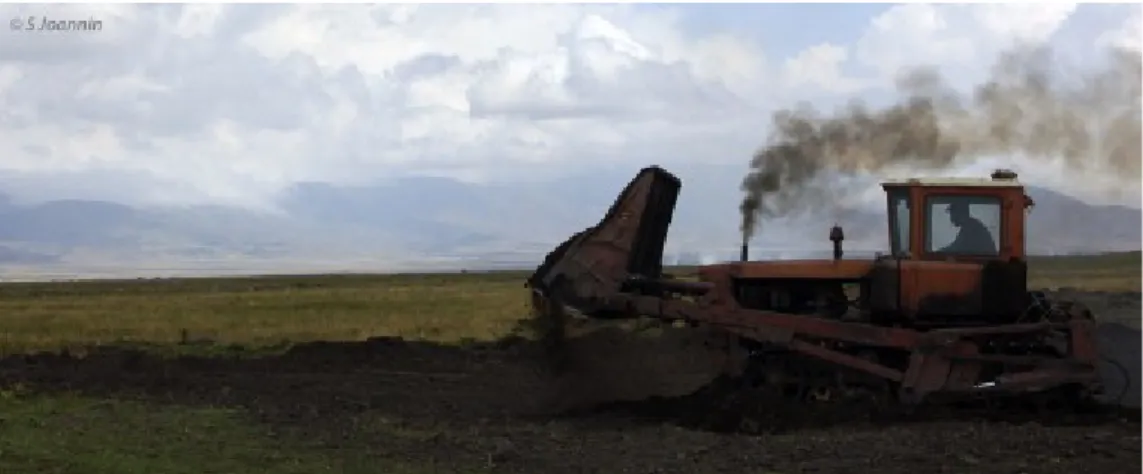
{"points": [[423, 373]]}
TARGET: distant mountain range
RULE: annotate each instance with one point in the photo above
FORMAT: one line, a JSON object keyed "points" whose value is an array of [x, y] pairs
{"points": [[411, 222]]}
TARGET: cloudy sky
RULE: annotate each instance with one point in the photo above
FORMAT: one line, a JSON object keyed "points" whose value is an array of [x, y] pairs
{"points": [[232, 104]]}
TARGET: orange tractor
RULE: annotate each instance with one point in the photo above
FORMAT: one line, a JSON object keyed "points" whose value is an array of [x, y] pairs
{"points": [[930, 319]]}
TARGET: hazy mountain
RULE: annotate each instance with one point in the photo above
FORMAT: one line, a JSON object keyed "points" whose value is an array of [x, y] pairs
{"points": [[1062, 224], [419, 219]]}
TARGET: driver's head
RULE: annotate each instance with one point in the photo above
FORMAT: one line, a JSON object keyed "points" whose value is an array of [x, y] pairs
{"points": [[958, 213]]}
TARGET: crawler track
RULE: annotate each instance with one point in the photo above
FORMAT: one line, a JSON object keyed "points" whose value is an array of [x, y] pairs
{"points": [[727, 408]]}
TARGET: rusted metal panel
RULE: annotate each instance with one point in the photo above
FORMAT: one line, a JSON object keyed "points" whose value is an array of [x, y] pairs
{"points": [[802, 269], [883, 288], [627, 241], [950, 288]]}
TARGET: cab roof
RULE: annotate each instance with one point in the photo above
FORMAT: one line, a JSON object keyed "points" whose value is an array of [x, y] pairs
{"points": [[999, 179]]}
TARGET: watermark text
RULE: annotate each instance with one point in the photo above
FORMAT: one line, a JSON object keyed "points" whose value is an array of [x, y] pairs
{"points": [[48, 24]]}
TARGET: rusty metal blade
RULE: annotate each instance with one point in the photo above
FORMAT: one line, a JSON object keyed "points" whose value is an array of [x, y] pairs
{"points": [[615, 362]]}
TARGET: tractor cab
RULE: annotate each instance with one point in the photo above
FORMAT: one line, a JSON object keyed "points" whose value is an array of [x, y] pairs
{"points": [[957, 219], [957, 248]]}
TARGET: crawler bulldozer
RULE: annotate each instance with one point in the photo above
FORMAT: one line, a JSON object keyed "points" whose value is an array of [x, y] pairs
{"points": [[925, 322]]}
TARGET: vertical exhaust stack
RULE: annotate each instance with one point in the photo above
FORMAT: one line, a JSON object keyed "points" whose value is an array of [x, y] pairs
{"points": [[836, 235], [745, 255]]}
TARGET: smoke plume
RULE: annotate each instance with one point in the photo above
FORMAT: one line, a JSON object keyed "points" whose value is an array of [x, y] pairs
{"points": [[1025, 107]]}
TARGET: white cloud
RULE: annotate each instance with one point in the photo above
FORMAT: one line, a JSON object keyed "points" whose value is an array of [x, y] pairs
{"points": [[1129, 34], [821, 66], [233, 103], [960, 38], [1023, 22]]}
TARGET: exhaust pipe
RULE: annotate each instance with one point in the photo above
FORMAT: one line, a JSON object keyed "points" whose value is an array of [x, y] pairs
{"points": [[745, 255], [836, 235]]}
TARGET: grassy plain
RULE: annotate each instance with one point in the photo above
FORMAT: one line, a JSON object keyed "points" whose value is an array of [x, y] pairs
{"points": [[272, 311], [1120, 271], [262, 312], [248, 316]]}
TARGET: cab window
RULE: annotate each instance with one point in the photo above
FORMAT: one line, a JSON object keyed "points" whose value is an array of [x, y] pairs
{"points": [[899, 222], [962, 225]]}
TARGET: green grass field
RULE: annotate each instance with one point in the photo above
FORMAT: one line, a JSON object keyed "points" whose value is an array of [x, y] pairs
{"points": [[73, 434], [261, 312], [1109, 272]]}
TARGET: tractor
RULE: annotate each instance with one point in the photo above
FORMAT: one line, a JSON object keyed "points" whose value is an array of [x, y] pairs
{"points": [[944, 314]]}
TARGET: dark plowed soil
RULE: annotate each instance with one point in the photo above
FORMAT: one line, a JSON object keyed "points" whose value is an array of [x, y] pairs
{"points": [[485, 406]]}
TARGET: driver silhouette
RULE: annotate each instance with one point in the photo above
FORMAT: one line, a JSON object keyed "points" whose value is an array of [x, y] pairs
{"points": [[972, 238]]}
